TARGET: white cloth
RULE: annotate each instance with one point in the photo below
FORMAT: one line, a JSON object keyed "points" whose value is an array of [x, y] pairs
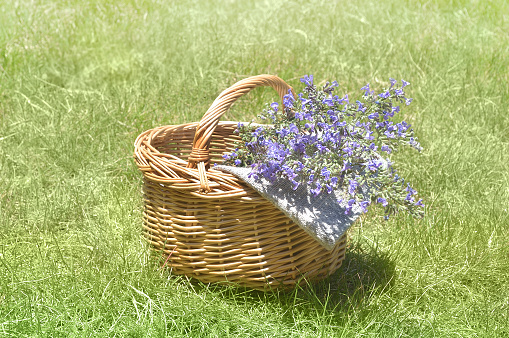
{"points": [[320, 216]]}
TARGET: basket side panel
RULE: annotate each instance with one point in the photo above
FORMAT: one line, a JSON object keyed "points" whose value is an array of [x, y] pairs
{"points": [[240, 240]]}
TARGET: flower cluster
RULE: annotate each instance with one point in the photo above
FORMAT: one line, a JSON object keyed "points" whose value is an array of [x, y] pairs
{"points": [[332, 144]]}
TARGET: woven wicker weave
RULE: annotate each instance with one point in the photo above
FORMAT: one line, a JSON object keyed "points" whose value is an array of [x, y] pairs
{"points": [[212, 226]]}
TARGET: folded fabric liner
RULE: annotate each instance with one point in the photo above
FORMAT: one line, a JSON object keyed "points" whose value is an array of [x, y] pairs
{"points": [[322, 217]]}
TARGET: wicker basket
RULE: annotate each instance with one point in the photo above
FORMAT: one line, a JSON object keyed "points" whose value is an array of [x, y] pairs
{"points": [[212, 226]]}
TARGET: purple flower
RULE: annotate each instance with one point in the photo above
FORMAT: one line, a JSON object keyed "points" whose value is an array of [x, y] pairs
{"points": [[346, 166], [411, 192], [360, 107], [332, 115], [348, 208], [353, 184], [384, 95], [298, 147], [345, 99], [412, 142], [299, 165], [258, 131], [325, 173], [288, 99], [364, 206], [274, 106], [311, 179], [331, 87], [373, 116], [317, 190], [404, 83], [373, 165], [238, 162], [366, 89], [254, 172], [321, 148], [304, 101], [393, 82], [403, 126], [328, 101], [308, 80], [283, 132], [389, 134], [288, 171], [386, 148], [383, 201]]}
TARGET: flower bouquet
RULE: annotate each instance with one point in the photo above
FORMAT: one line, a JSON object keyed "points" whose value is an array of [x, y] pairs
{"points": [[331, 144]]}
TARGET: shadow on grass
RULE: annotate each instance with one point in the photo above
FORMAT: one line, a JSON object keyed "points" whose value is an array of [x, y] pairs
{"points": [[364, 274]]}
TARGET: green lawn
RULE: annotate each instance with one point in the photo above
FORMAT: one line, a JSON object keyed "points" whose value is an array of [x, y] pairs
{"points": [[79, 80]]}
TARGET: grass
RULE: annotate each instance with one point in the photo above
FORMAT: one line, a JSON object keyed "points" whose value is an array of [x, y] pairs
{"points": [[80, 80]]}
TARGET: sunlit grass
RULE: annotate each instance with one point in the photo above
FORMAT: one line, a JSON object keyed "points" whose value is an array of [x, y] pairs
{"points": [[80, 80]]}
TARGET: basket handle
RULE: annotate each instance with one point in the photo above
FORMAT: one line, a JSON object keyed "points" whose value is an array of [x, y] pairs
{"points": [[199, 156], [207, 125]]}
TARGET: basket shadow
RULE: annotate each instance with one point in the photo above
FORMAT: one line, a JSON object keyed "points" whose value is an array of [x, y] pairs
{"points": [[364, 274]]}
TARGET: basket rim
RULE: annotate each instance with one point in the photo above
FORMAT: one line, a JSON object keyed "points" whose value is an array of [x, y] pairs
{"points": [[172, 170]]}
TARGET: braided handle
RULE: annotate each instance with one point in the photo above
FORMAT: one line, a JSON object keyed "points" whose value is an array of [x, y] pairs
{"points": [[207, 125]]}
